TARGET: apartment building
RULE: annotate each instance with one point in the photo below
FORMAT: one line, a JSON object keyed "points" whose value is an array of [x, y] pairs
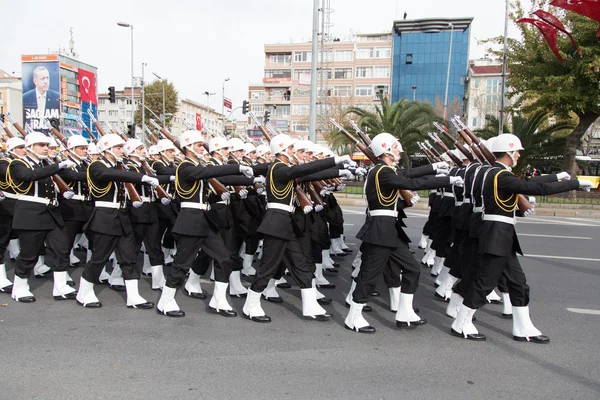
{"points": [[11, 96], [197, 115], [120, 111], [484, 91]]}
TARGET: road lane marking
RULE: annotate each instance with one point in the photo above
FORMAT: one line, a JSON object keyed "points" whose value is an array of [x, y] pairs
{"points": [[563, 258], [584, 311], [555, 236], [348, 224]]}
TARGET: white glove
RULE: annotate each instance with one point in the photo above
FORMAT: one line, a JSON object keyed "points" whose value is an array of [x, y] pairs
{"points": [[440, 165], [260, 190], [2, 196], [341, 187], [415, 199], [442, 171], [261, 180], [68, 194], [308, 209], [457, 181], [351, 164], [246, 171], [527, 213], [172, 178], [150, 180], [346, 174], [323, 192], [318, 208], [243, 194], [225, 197], [137, 204], [66, 164], [563, 176], [585, 184], [342, 159], [165, 200], [531, 200]]}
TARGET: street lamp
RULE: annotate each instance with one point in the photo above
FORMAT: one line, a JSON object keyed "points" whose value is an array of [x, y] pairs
{"points": [[223, 104], [448, 73], [126, 25], [163, 119], [143, 100], [414, 88], [208, 99]]}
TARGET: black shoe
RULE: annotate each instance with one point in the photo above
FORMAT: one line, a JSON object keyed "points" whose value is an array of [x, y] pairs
{"points": [[475, 336], [68, 296], [324, 300], [284, 285], [6, 289], [147, 273], [434, 275], [174, 314], [71, 283], [261, 318], [330, 271], [195, 295], [336, 264], [506, 316], [117, 288], [320, 317], [441, 298], [96, 304], [412, 251], [239, 295], [411, 325], [416, 310], [26, 299], [339, 255], [375, 293], [143, 306], [364, 329], [495, 302], [366, 307], [347, 251], [225, 313], [328, 286], [44, 275], [541, 339], [273, 299]]}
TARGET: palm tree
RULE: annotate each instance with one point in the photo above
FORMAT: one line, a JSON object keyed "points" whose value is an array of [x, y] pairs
{"points": [[491, 128]]}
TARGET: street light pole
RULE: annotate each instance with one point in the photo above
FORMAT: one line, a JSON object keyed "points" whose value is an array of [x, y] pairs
{"points": [[126, 25], [503, 89], [143, 100], [448, 73], [164, 117], [414, 88], [208, 94], [223, 105]]}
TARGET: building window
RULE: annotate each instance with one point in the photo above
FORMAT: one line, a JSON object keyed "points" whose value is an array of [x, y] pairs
{"points": [[373, 52], [381, 72], [342, 91], [325, 73], [113, 113], [302, 56], [364, 72], [343, 55], [493, 86], [409, 58], [327, 56], [300, 109], [102, 102], [474, 124], [324, 92], [278, 73], [298, 72], [299, 126], [283, 111], [257, 94], [380, 91], [280, 58], [128, 102], [363, 90], [343, 73], [258, 108]]}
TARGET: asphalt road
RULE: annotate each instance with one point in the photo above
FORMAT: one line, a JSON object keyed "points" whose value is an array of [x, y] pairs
{"points": [[58, 350]]}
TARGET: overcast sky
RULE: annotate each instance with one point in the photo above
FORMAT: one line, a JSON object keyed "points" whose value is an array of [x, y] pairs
{"points": [[196, 44]]}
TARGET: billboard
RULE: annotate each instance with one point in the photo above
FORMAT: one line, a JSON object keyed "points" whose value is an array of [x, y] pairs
{"points": [[41, 92], [89, 99]]}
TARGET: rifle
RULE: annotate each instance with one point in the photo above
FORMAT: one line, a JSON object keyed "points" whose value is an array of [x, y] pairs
{"points": [[433, 150], [523, 203], [457, 144], [83, 126], [134, 196], [216, 185], [363, 136], [436, 139], [300, 194], [60, 183], [407, 195], [152, 136], [61, 138], [457, 124], [430, 156], [5, 128]]}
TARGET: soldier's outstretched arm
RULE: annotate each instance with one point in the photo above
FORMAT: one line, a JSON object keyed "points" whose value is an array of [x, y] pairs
{"points": [[507, 182]]}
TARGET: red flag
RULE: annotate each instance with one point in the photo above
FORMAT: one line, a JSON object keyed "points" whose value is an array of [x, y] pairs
{"points": [[588, 8], [548, 31], [555, 22], [87, 86], [226, 102], [198, 122]]}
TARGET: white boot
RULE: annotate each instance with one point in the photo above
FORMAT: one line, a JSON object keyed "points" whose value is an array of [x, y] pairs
{"points": [[82, 241], [343, 243], [134, 300], [442, 275], [394, 298], [282, 283], [252, 308], [247, 268], [192, 286], [218, 302], [260, 250], [104, 276], [242, 251], [167, 255], [335, 248], [493, 298], [86, 296], [456, 301], [321, 281], [270, 293], [437, 266], [158, 277], [62, 291], [463, 324], [431, 259], [41, 268], [523, 328], [507, 309], [423, 242], [167, 304], [357, 260], [73, 259], [88, 256], [444, 291], [349, 295], [406, 317], [5, 283], [326, 262], [310, 306], [146, 267], [14, 248], [212, 271], [236, 288], [355, 321], [320, 295], [20, 291], [115, 280]]}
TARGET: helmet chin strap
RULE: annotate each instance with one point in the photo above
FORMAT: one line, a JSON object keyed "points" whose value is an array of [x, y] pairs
{"points": [[167, 158], [512, 158], [117, 159], [39, 156], [189, 147]]}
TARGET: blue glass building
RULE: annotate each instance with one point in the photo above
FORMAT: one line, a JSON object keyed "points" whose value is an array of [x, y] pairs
{"points": [[420, 59]]}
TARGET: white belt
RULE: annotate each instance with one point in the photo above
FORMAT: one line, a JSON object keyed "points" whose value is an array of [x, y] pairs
{"points": [[499, 218], [467, 201], [34, 199], [78, 197], [11, 195], [383, 213], [477, 209], [222, 202], [278, 206], [448, 194], [458, 203], [439, 194], [197, 206], [145, 199], [107, 204]]}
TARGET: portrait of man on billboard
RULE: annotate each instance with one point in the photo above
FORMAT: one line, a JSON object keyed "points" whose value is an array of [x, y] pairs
{"points": [[41, 99]]}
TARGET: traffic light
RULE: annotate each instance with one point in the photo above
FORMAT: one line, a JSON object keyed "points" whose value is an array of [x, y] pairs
{"points": [[111, 94], [2, 117], [131, 131], [245, 107], [267, 116]]}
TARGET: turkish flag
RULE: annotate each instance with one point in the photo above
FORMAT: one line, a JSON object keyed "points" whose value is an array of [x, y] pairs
{"points": [[198, 122], [555, 22], [588, 8], [548, 31], [87, 86]]}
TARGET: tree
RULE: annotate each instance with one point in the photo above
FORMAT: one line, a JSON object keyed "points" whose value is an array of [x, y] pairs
{"points": [[153, 97], [491, 128], [546, 83]]}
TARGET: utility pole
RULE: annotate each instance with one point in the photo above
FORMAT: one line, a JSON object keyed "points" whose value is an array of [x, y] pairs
{"points": [[503, 87], [143, 100], [312, 117]]}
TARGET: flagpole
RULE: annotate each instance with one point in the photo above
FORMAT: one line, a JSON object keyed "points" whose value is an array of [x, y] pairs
{"points": [[503, 88]]}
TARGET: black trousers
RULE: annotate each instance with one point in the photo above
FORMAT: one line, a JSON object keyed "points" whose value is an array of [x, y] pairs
{"points": [[6, 234], [252, 240], [275, 250], [32, 245], [187, 251], [149, 235], [429, 226], [394, 261], [492, 270], [442, 236], [456, 260], [125, 250], [164, 233], [229, 240], [73, 229], [472, 262]]}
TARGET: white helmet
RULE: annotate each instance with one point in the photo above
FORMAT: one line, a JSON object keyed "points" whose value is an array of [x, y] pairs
{"points": [[188, 138], [305, 145], [489, 143], [217, 143], [249, 147], [236, 144], [163, 145], [506, 142], [52, 142], [262, 149], [36, 137], [14, 142], [92, 149], [131, 145], [109, 141], [383, 143], [326, 152], [76, 141], [152, 150], [280, 143]]}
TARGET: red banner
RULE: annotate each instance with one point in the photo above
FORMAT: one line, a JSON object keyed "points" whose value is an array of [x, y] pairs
{"points": [[87, 86], [548, 31], [227, 103], [555, 22], [198, 122], [589, 8]]}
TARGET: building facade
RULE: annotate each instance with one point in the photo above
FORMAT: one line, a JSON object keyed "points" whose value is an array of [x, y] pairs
{"points": [[120, 112], [484, 91], [198, 116], [421, 50], [11, 96]]}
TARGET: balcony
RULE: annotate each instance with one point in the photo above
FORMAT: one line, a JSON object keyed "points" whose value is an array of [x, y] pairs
{"points": [[277, 99]]}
